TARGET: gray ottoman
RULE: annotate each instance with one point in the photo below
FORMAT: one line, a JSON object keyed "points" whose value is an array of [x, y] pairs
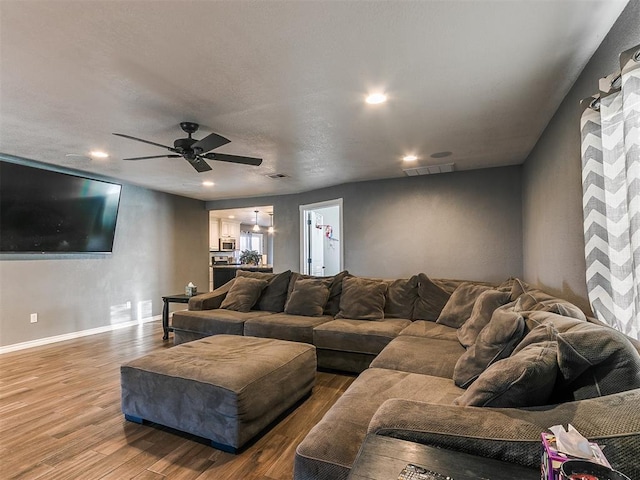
{"points": [[225, 388]]}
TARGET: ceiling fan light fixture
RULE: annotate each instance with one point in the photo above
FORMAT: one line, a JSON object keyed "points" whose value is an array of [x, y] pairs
{"points": [[376, 98]]}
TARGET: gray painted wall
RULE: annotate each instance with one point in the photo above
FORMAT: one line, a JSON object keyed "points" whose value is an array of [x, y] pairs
{"points": [[552, 183], [458, 225], [161, 244]]}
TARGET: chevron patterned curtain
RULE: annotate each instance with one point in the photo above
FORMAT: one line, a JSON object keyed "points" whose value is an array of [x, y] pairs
{"points": [[610, 128]]}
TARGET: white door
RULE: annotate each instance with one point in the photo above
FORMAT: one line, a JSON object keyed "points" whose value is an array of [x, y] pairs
{"points": [[321, 251]]}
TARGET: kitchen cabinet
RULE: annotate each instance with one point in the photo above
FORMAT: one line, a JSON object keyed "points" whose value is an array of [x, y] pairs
{"points": [[229, 228], [214, 232]]}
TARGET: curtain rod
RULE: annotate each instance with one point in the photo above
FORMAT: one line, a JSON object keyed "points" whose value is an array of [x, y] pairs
{"points": [[612, 83]]}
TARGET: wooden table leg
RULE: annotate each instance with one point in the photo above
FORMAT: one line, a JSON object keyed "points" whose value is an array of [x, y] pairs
{"points": [[165, 319]]}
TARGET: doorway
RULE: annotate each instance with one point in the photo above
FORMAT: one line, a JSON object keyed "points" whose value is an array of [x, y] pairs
{"points": [[321, 238]]}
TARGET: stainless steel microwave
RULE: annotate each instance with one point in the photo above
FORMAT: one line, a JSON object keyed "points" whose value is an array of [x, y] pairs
{"points": [[227, 244]]}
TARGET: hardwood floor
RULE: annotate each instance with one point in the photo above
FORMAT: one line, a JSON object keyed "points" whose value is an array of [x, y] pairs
{"points": [[60, 418]]}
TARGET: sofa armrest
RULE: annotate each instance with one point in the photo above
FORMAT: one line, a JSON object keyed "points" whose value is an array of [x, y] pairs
{"points": [[487, 432], [513, 434], [210, 300]]}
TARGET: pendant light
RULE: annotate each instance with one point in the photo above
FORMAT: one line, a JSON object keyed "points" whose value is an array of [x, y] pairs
{"points": [[271, 226], [256, 227]]}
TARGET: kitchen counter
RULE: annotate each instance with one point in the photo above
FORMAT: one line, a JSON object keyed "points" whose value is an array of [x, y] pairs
{"points": [[224, 273]]}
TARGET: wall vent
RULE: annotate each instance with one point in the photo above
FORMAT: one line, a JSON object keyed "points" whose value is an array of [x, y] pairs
{"points": [[277, 175], [429, 169]]}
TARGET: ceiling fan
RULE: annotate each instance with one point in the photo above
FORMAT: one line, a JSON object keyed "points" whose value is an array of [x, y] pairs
{"points": [[195, 151]]}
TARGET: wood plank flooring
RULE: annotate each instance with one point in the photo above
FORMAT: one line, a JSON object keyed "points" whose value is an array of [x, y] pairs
{"points": [[60, 418]]}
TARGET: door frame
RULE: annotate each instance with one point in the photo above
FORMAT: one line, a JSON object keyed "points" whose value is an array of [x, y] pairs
{"points": [[303, 244]]}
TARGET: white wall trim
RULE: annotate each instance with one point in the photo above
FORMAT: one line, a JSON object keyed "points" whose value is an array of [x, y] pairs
{"points": [[69, 336]]}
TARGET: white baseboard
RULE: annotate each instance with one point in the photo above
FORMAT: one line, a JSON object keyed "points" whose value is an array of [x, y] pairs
{"points": [[69, 336]]}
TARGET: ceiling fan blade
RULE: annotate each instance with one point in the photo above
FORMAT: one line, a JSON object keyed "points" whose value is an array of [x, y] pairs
{"points": [[145, 141], [154, 156], [223, 157], [210, 142], [199, 164]]}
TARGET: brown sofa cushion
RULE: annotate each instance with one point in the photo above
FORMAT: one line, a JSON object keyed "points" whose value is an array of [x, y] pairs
{"points": [[481, 314], [533, 299], [362, 298], [431, 299], [522, 380], [545, 332], [495, 342], [243, 294], [596, 361], [274, 296], [400, 297], [460, 305], [309, 296], [333, 304]]}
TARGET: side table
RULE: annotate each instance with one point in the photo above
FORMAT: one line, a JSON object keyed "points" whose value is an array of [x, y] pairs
{"points": [[383, 458], [178, 298]]}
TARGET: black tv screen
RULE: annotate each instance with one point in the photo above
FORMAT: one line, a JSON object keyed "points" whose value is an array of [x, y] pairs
{"points": [[49, 212]]}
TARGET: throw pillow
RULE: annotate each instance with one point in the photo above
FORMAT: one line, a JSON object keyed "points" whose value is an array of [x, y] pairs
{"points": [[243, 294], [495, 342], [481, 314], [333, 304], [274, 296], [560, 307], [431, 299], [460, 305], [523, 380], [309, 297], [518, 287], [401, 297], [545, 332], [362, 298], [596, 360]]}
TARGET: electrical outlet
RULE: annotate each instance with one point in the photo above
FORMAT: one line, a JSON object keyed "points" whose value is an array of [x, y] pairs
{"points": [[34, 318]]}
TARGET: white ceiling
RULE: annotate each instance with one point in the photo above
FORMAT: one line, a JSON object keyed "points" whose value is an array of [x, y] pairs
{"points": [[285, 81]]}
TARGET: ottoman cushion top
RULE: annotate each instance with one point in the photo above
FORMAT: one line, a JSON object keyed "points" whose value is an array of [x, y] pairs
{"points": [[228, 361]]}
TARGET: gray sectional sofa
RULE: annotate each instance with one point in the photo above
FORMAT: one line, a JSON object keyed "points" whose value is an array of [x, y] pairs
{"points": [[468, 366]]}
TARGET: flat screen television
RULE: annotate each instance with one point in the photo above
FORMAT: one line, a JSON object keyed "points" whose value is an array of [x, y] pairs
{"points": [[42, 211]]}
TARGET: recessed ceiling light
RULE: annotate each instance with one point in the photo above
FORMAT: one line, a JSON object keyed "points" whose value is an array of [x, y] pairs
{"points": [[440, 154], [208, 183], [376, 98], [99, 154], [409, 158], [232, 216]]}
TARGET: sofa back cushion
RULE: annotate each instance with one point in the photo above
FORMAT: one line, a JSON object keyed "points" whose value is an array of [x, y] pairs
{"points": [[400, 297], [533, 299], [460, 305], [333, 304], [524, 379], [431, 299], [243, 294], [487, 303], [274, 296], [309, 297], [362, 298], [496, 341], [595, 361]]}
